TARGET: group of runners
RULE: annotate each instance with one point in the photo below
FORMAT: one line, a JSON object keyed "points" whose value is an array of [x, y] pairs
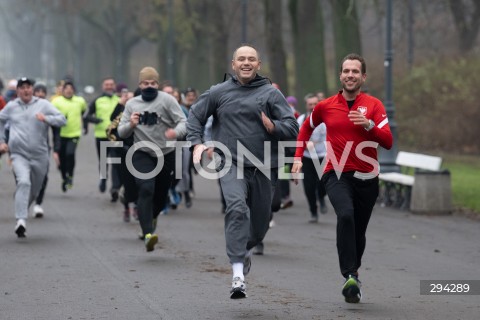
{"points": [[241, 124]]}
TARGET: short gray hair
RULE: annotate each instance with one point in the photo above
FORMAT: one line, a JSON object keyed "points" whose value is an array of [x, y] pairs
{"points": [[245, 45]]}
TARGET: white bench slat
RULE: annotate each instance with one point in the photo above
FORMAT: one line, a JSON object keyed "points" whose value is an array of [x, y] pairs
{"points": [[420, 161], [396, 177]]}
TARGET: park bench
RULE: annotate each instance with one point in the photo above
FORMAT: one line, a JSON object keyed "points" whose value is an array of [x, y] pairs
{"points": [[420, 186]]}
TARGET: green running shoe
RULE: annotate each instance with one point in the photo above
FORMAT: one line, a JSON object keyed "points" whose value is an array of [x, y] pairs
{"points": [[150, 241], [351, 289]]}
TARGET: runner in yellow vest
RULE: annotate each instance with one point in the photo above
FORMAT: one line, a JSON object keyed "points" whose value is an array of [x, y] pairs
{"points": [[72, 107], [99, 112]]}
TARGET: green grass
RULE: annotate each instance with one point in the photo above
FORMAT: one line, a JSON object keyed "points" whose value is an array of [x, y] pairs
{"points": [[465, 174]]}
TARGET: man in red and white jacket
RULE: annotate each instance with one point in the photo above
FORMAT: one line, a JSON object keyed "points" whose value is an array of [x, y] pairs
{"points": [[356, 124]]}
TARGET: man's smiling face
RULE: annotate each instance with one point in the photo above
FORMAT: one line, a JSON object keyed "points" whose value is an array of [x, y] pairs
{"points": [[245, 64]]}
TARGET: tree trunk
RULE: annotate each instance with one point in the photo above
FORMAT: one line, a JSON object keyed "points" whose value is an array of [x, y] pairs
{"points": [[122, 62], [308, 41], [197, 58], [275, 49], [467, 23], [346, 30], [25, 28], [220, 63]]}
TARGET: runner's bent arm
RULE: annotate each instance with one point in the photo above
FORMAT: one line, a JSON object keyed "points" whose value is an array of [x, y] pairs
{"points": [[198, 116], [286, 126], [381, 133], [124, 129]]}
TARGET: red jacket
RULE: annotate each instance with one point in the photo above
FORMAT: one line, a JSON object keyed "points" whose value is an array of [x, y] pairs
{"points": [[344, 139], [2, 103]]}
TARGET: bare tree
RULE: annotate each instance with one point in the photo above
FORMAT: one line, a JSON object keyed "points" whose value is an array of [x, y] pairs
{"points": [[346, 28], [24, 22], [219, 38], [275, 47], [466, 15], [308, 42], [197, 59], [189, 35]]}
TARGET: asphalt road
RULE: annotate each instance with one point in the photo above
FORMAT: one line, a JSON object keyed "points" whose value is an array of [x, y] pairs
{"points": [[81, 261]]}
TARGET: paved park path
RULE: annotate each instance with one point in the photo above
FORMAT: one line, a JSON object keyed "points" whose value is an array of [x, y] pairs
{"points": [[83, 262]]}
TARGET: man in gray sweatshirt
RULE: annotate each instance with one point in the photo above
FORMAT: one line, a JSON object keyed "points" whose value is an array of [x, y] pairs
{"points": [[29, 119], [153, 118], [247, 111]]}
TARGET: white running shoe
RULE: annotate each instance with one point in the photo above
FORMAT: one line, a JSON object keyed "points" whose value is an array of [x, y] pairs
{"points": [[239, 289], [37, 211]]}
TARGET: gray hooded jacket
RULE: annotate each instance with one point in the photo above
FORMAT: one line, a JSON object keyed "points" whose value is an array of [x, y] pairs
{"points": [[28, 135], [237, 119]]}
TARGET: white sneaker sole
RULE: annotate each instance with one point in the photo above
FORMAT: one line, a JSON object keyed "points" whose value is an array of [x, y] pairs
{"points": [[238, 289]]}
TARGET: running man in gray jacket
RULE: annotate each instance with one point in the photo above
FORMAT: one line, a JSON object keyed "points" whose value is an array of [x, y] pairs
{"points": [[29, 118], [247, 111], [154, 118]]}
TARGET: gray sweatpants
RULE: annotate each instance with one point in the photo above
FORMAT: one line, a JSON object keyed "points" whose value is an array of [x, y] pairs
{"points": [[29, 174], [184, 183], [248, 209]]}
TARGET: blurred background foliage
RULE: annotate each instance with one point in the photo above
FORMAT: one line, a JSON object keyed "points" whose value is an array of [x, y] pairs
{"points": [[301, 43]]}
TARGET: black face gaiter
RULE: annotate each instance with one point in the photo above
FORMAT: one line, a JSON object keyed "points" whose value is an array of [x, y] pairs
{"points": [[149, 94]]}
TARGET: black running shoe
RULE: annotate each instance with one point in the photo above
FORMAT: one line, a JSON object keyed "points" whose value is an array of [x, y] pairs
{"points": [[20, 228], [114, 196], [188, 200], [286, 204], [102, 186], [258, 249]]}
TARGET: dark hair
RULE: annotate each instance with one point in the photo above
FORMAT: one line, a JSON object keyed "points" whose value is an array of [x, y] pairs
{"points": [[189, 89], [179, 100], [40, 87], [166, 83], [69, 83], [354, 56], [309, 96]]}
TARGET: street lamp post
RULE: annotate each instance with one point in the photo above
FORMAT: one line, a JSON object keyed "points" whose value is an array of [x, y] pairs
{"points": [[170, 45], [387, 157], [411, 41], [244, 21]]}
